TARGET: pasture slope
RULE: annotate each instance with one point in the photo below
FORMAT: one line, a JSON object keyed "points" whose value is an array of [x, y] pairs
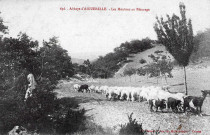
{"points": [[134, 58], [110, 114]]}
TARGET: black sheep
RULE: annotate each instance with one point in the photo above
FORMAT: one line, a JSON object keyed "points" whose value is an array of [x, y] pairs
{"points": [[83, 87], [174, 104]]}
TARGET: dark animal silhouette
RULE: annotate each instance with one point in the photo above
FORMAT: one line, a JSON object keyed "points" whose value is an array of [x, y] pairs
{"points": [[174, 104], [83, 87]]}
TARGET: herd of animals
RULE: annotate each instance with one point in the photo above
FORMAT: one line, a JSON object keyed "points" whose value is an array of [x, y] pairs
{"points": [[158, 97]]}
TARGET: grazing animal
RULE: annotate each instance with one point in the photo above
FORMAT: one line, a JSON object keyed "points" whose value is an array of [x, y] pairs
{"points": [[144, 94], [193, 102], [126, 93], [135, 93], [123, 94], [76, 87], [103, 89], [157, 104], [92, 88], [118, 91], [84, 87], [97, 89], [174, 104], [110, 93]]}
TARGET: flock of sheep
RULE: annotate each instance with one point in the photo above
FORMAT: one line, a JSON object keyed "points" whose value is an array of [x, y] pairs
{"points": [[157, 97]]}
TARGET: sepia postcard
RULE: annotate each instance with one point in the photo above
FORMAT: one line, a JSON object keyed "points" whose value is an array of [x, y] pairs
{"points": [[105, 67]]}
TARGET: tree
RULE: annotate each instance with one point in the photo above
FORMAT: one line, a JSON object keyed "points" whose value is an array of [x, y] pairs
{"points": [[177, 36], [129, 72], [3, 28], [17, 54], [56, 63], [88, 66]]}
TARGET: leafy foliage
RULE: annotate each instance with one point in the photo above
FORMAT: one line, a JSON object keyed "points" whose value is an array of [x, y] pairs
{"points": [[177, 35], [161, 66], [16, 54], [3, 28], [66, 118], [129, 72], [56, 63], [132, 127], [142, 61], [48, 64], [141, 71]]}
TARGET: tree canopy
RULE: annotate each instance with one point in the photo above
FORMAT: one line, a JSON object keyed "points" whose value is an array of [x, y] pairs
{"points": [[177, 35]]}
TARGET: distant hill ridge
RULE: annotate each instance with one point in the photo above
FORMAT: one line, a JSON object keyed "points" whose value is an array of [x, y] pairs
{"points": [[78, 61]]}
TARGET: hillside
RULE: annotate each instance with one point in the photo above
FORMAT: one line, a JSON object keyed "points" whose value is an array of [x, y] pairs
{"points": [[78, 61], [135, 58]]}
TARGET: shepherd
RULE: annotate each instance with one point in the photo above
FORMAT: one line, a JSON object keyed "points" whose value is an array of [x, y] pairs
{"points": [[31, 86]]}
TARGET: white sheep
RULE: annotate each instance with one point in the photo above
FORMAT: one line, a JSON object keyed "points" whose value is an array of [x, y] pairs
{"points": [[97, 89], [111, 92], [76, 87], [144, 94], [135, 93], [92, 88], [126, 91], [103, 89]]}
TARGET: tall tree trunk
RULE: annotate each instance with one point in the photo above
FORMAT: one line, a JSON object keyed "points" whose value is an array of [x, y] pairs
{"points": [[185, 81], [162, 82], [166, 80]]}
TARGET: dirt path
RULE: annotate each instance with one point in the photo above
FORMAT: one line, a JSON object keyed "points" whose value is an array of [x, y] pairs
{"points": [[110, 114]]}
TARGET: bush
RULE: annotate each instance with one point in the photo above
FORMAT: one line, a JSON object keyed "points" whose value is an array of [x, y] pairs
{"points": [[142, 61], [69, 121], [93, 129], [141, 71], [132, 127], [66, 118], [42, 112], [158, 51]]}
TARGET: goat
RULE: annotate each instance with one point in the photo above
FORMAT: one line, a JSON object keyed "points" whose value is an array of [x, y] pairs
{"points": [[157, 104], [195, 102]]}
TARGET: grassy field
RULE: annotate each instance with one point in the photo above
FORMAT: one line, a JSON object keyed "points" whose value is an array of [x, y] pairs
{"points": [[110, 114]]}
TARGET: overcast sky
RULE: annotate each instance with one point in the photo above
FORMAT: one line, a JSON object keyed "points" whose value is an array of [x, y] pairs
{"points": [[88, 34]]}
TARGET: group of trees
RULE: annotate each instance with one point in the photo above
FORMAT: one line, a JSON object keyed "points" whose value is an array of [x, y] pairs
{"points": [[42, 112], [50, 61], [85, 68]]}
